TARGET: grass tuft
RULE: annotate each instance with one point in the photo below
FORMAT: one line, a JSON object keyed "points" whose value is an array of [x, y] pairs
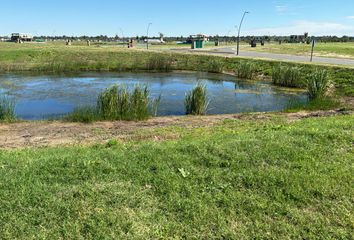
{"points": [[245, 69], [159, 63], [196, 102], [317, 84], [7, 109], [216, 66], [287, 76], [117, 103]]}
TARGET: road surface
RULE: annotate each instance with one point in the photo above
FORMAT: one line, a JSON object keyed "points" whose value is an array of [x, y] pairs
{"points": [[274, 56]]}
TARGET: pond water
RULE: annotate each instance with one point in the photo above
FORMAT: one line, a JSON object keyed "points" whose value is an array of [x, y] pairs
{"points": [[48, 96]]}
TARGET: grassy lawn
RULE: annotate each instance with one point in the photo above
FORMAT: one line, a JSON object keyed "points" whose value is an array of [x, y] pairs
{"points": [[249, 179], [341, 50]]}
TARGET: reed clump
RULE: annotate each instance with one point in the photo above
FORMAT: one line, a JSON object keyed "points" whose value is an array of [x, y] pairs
{"points": [[159, 63], [117, 102], [7, 109], [215, 66], [245, 69], [317, 84], [196, 101], [287, 76]]}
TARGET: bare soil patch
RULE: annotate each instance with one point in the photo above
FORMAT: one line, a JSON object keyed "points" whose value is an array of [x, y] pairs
{"points": [[43, 134]]}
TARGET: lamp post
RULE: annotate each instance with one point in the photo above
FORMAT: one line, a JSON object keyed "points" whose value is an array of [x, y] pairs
{"points": [[239, 31], [147, 36]]}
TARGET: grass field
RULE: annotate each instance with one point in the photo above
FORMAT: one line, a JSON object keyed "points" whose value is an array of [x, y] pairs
{"points": [[239, 179], [338, 50]]}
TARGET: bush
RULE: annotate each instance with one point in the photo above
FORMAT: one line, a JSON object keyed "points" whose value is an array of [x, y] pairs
{"points": [[196, 102], [317, 84], [287, 76], [245, 69], [7, 109]]}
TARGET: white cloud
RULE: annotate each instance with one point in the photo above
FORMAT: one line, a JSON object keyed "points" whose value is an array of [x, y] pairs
{"points": [[350, 17], [281, 8], [300, 27]]}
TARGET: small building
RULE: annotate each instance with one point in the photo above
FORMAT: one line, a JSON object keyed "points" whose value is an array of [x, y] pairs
{"points": [[198, 41], [21, 37]]}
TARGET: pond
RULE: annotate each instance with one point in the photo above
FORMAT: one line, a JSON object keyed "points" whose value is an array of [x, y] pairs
{"points": [[50, 96]]}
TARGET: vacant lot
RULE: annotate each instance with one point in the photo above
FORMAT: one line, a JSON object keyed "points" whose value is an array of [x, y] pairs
{"points": [[338, 50]]}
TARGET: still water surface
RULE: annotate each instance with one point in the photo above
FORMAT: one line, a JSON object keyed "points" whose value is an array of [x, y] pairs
{"points": [[48, 96]]}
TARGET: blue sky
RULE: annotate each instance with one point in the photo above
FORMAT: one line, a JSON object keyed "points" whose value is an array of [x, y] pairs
{"points": [[183, 17]]}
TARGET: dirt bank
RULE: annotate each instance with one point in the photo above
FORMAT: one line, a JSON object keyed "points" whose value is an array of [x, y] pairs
{"points": [[43, 134]]}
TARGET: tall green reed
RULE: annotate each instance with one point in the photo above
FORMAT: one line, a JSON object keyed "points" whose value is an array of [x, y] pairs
{"points": [[196, 102]]}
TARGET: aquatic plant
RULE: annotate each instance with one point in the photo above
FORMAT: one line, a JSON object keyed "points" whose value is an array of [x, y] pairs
{"points": [[7, 109], [245, 69], [159, 63], [287, 76], [118, 103], [215, 66], [317, 84], [196, 102], [84, 114]]}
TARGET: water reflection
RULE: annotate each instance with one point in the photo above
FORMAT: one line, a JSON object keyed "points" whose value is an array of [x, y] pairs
{"points": [[46, 96]]}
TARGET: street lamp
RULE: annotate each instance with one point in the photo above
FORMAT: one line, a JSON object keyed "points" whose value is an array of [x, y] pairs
{"points": [[147, 36], [239, 30]]}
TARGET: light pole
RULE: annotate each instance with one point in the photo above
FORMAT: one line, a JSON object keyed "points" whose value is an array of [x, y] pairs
{"points": [[239, 31], [147, 36]]}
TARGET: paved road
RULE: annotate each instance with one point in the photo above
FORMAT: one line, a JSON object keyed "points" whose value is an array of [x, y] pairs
{"points": [[281, 57]]}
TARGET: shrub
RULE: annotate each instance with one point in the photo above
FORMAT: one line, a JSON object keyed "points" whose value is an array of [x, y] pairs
{"points": [[7, 109], [245, 69], [317, 84], [286, 76], [196, 102]]}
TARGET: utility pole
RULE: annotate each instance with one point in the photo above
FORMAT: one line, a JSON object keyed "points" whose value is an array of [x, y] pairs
{"points": [[147, 36], [239, 31], [313, 47]]}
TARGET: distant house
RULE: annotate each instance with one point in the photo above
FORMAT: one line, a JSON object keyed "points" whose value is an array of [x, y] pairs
{"points": [[21, 37]]}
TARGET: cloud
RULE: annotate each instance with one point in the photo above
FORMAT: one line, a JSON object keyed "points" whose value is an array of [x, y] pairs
{"points": [[281, 8], [300, 27], [350, 17]]}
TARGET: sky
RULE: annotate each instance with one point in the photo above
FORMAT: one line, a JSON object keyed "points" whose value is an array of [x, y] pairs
{"points": [[176, 18]]}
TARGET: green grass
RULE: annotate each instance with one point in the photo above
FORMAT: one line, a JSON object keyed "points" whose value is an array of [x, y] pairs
{"points": [[196, 101], [322, 49], [324, 103], [118, 103], [249, 179], [216, 66], [245, 69], [84, 114], [287, 76], [7, 109], [317, 84]]}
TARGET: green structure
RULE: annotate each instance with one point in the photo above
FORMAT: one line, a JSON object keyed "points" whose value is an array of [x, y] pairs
{"points": [[198, 41], [198, 44]]}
